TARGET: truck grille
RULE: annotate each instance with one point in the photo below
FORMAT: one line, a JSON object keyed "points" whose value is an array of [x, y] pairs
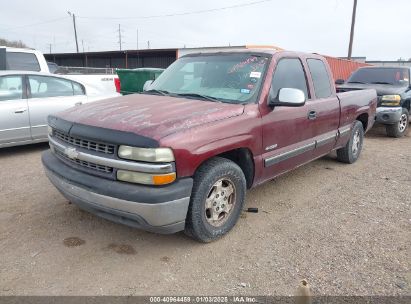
{"points": [[84, 143], [83, 163]]}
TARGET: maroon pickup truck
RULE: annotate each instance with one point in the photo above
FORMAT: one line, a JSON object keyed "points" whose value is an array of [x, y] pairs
{"points": [[181, 155]]}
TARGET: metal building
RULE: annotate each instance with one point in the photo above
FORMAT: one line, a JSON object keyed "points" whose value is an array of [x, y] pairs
{"points": [[154, 58]]}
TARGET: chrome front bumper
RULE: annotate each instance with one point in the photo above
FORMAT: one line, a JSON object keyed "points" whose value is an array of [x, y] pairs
{"points": [[388, 115], [141, 207]]}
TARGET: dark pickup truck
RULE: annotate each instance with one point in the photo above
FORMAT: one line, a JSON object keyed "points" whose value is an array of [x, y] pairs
{"points": [[181, 155], [394, 94]]}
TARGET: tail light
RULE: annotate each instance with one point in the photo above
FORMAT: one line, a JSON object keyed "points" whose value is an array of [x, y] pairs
{"points": [[117, 84]]}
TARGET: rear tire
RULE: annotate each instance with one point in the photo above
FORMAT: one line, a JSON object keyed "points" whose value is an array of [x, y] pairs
{"points": [[216, 201], [400, 128], [352, 150]]}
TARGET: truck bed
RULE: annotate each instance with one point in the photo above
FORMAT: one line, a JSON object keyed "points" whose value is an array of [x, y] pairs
{"points": [[356, 103]]}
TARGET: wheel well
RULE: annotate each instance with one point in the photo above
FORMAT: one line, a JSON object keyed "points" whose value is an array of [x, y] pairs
{"points": [[363, 118], [244, 159]]}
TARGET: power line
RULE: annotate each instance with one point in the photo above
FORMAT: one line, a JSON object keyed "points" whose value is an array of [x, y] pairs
{"points": [[35, 24], [182, 13]]}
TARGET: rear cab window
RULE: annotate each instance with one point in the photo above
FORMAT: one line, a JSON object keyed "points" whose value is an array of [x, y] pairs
{"points": [[22, 62], [320, 77]]}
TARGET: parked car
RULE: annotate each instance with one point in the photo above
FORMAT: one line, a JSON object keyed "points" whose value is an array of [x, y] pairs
{"points": [[27, 98], [181, 155], [394, 94], [19, 59]]}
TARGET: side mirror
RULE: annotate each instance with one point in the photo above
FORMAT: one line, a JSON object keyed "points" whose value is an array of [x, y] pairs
{"points": [[339, 81], [288, 97], [147, 85]]}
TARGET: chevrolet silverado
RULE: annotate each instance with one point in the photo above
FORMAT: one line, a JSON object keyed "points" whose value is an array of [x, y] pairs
{"points": [[181, 155]]}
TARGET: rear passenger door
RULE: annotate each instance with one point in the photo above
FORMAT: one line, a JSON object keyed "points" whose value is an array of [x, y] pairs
{"points": [[323, 108], [14, 114], [48, 95]]}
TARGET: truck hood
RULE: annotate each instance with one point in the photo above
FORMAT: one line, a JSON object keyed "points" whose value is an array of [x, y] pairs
{"points": [[150, 115], [382, 89]]}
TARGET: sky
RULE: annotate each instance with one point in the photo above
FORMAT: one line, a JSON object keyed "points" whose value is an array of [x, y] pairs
{"points": [[382, 31]]}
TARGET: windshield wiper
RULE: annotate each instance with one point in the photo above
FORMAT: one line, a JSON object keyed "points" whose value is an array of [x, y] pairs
{"points": [[381, 82], [356, 82], [162, 92], [199, 95]]}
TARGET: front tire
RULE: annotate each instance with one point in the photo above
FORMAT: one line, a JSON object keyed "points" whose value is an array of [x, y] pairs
{"points": [[352, 150], [216, 201], [400, 128]]}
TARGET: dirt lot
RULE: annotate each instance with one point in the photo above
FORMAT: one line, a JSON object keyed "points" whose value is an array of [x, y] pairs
{"points": [[344, 228]]}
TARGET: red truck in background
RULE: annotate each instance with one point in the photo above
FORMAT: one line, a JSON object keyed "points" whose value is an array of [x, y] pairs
{"points": [[181, 155]]}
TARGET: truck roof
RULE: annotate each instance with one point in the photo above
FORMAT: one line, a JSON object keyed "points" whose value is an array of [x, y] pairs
{"points": [[269, 51], [386, 67], [14, 72], [20, 50]]}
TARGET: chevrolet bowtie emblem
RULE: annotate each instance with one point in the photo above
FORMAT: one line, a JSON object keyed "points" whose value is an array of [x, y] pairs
{"points": [[71, 153]]}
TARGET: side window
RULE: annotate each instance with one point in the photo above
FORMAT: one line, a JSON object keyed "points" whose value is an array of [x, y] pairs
{"points": [[22, 62], [11, 88], [319, 74], [289, 73], [78, 89], [48, 86]]}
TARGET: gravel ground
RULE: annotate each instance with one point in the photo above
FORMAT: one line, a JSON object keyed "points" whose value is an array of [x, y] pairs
{"points": [[344, 228]]}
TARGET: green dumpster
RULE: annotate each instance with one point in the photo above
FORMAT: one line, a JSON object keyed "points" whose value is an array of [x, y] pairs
{"points": [[133, 80]]}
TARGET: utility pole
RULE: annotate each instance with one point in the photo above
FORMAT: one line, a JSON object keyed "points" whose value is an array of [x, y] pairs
{"points": [[75, 29], [119, 35], [148, 44], [354, 12], [50, 48], [82, 43]]}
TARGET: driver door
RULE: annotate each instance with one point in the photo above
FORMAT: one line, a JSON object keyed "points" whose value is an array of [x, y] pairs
{"points": [[288, 139]]}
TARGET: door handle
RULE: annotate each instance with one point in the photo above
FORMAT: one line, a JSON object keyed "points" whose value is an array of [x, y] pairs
{"points": [[78, 103], [19, 111], [312, 115]]}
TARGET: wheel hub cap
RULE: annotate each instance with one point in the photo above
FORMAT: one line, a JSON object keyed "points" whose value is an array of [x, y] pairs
{"points": [[220, 202], [356, 142], [402, 125]]}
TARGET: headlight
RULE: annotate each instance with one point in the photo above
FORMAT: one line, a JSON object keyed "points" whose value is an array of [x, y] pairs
{"points": [[391, 100], [156, 155], [50, 130], [145, 178]]}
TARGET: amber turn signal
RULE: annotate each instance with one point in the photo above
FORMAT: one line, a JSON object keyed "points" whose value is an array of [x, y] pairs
{"points": [[164, 179]]}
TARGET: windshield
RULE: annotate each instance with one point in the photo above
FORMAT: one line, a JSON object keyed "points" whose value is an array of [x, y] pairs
{"points": [[231, 78], [392, 76]]}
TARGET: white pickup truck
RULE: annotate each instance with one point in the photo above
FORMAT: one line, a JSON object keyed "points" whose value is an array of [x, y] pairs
{"points": [[33, 60]]}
